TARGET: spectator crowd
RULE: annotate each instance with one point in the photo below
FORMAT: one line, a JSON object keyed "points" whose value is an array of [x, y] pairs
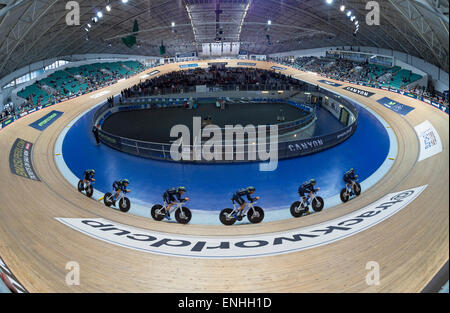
{"points": [[363, 72], [227, 78]]}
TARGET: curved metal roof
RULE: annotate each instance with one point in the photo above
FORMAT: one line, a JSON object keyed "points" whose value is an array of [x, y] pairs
{"points": [[34, 30]]}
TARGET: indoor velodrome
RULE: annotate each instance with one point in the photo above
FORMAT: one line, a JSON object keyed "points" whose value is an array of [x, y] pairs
{"points": [[224, 146]]}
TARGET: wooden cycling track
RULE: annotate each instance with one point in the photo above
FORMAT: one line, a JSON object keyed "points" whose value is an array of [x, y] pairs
{"points": [[410, 246]]}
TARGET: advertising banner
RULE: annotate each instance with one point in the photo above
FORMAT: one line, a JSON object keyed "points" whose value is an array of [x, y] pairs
{"points": [[246, 64], [307, 146], [189, 65], [6, 122], [430, 141], [404, 93], [360, 92], [395, 106], [278, 68], [20, 160], [330, 83], [47, 120]]}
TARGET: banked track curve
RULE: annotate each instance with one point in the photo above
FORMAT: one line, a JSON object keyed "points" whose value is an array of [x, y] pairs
{"points": [[410, 246]]}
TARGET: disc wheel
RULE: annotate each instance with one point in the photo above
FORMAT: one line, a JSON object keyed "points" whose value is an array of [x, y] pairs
{"points": [[156, 212], [124, 204], [183, 217], [107, 199], [80, 186], [317, 204], [256, 216], [357, 189], [296, 209], [224, 219], [344, 195], [89, 191]]}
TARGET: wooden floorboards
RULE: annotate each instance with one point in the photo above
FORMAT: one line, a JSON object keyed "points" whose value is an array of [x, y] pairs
{"points": [[410, 246]]}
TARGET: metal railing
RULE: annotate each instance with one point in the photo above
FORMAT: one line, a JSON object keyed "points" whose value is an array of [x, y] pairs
{"points": [[218, 88], [238, 151]]}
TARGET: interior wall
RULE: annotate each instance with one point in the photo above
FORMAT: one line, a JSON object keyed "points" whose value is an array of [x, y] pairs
{"points": [[318, 52], [2, 100], [4, 95]]}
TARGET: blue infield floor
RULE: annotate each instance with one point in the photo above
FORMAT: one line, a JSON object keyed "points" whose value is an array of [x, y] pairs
{"points": [[210, 187]]}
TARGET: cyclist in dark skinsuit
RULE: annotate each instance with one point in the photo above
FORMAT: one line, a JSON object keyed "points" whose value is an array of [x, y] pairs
{"points": [[88, 176], [307, 188], [237, 197], [169, 198], [349, 178], [120, 185]]}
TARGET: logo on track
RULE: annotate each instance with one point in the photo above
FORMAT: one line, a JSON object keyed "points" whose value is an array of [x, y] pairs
{"points": [[46, 121], [20, 160], [228, 247], [360, 92]]}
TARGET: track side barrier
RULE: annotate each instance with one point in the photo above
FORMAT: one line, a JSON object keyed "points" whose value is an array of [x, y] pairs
{"points": [[241, 151]]}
